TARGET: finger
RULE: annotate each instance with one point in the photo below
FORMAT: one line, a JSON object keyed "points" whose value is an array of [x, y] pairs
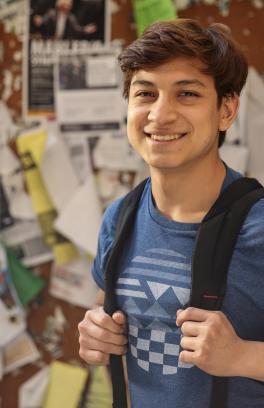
{"points": [[178, 312], [94, 357], [119, 318], [99, 333], [102, 319], [187, 357], [189, 343], [192, 314], [107, 348], [190, 328]]}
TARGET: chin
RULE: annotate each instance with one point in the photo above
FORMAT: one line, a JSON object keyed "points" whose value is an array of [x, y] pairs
{"points": [[164, 166]]}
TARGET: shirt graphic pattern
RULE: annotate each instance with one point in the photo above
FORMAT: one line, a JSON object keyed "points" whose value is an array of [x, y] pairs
{"points": [[150, 290]]}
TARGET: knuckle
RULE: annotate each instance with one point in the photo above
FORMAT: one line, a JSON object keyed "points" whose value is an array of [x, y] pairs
{"points": [[98, 357], [81, 326], [182, 357], [87, 315], [103, 319], [81, 341], [203, 354], [212, 330], [182, 342], [184, 327], [211, 326], [200, 356], [220, 315], [207, 331], [101, 335], [216, 318], [82, 354]]}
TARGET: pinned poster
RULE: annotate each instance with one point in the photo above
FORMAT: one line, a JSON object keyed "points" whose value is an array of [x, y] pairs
{"points": [[100, 390], [53, 27], [31, 146], [19, 352], [65, 385], [27, 284], [88, 90], [148, 11], [12, 316], [55, 168], [81, 218], [74, 283], [32, 392]]}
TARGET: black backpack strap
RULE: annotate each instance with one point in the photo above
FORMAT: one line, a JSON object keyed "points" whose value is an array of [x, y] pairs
{"points": [[126, 217], [215, 242], [216, 239]]}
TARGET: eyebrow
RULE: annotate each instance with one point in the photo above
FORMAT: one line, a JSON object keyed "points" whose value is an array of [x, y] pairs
{"points": [[183, 82]]}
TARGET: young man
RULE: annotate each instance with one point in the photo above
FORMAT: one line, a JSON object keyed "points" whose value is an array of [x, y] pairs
{"points": [[182, 82]]}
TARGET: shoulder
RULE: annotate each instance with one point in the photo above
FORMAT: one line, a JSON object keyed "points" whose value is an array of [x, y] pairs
{"points": [[110, 216], [107, 235], [253, 227], [256, 213]]}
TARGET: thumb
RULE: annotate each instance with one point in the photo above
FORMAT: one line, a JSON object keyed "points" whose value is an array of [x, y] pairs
{"points": [[119, 317]]}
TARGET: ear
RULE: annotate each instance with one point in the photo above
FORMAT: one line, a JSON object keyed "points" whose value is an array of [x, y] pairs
{"points": [[228, 111]]}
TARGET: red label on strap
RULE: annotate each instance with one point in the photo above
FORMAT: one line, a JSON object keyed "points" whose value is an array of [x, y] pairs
{"points": [[205, 296]]}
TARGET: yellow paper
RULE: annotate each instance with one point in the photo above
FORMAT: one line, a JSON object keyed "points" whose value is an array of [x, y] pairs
{"points": [[30, 147], [100, 390], [65, 385]]}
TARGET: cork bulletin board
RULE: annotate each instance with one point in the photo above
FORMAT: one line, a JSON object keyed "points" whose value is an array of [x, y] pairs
{"points": [[245, 21], [247, 25]]}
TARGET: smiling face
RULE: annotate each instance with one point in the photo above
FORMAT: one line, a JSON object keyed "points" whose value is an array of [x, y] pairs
{"points": [[173, 114]]}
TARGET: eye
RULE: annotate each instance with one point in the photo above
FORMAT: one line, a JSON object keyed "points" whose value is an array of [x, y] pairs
{"points": [[145, 94], [189, 94]]}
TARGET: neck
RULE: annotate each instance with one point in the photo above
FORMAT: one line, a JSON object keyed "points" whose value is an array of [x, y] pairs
{"points": [[186, 194]]}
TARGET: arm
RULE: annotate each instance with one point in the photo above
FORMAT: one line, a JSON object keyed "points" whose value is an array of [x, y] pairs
{"points": [[101, 335], [210, 342]]}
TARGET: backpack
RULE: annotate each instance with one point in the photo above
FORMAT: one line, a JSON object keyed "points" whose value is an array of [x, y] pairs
{"points": [[215, 242]]}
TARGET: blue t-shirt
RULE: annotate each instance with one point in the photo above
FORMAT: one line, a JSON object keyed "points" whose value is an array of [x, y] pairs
{"points": [[155, 281]]}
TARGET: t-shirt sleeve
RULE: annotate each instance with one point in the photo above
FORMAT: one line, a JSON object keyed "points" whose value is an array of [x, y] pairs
{"points": [[253, 227], [105, 240]]}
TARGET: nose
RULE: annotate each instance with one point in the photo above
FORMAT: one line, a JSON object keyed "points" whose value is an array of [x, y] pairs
{"points": [[163, 111]]}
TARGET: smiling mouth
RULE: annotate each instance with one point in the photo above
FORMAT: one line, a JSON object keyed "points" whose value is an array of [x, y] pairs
{"points": [[165, 138]]}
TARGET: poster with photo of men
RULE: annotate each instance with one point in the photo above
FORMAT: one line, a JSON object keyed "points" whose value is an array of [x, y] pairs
{"points": [[55, 27]]}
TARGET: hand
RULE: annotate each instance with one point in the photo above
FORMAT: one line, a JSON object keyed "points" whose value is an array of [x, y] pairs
{"points": [[101, 335], [90, 28], [209, 341]]}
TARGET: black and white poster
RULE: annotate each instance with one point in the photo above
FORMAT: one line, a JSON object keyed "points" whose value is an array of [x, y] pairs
{"points": [[88, 91], [55, 27]]}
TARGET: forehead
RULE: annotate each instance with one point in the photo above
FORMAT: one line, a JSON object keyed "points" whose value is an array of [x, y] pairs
{"points": [[176, 70]]}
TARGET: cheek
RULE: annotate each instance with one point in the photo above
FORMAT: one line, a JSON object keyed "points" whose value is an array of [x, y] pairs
{"points": [[131, 125], [130, 117], [135, 118]]}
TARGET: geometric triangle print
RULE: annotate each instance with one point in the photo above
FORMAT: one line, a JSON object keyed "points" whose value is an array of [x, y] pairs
{"points": [[130, 307], [157, 289], [158, 325], [156, 311], [182, 294], [134, 322]]}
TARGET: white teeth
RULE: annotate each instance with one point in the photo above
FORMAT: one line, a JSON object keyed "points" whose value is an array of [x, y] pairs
{"points": [[166, 137]]}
